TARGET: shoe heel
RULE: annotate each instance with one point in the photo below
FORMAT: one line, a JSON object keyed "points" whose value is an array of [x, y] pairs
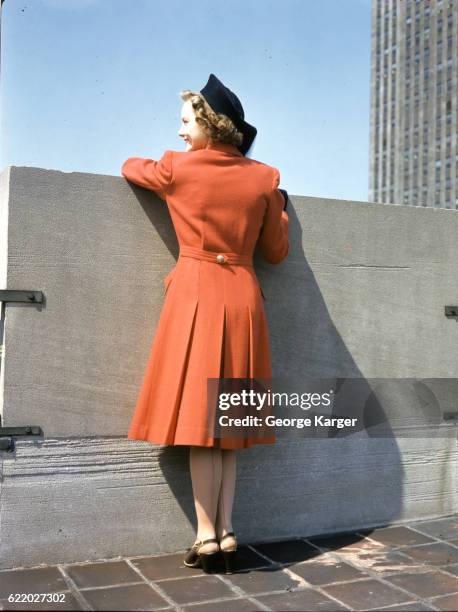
{"points": [[229, 557], [209, 562]]}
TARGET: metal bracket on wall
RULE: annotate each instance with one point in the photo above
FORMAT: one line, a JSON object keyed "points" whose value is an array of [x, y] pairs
{"points": [[450, 416], [17, 295], [451, 311], [7, 435]]}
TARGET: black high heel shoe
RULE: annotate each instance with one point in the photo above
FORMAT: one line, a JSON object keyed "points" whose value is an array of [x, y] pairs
{"points": [[207, 561], [192, 558], [229, 555]]}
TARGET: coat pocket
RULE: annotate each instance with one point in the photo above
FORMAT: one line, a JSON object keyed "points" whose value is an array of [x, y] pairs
{"points": [[167, 280]]}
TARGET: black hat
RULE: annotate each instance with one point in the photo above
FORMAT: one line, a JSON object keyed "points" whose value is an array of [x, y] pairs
{"points": [[223, 100]]}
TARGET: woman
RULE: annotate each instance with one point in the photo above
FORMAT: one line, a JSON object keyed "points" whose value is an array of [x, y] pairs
{"points": [[213, 324]]}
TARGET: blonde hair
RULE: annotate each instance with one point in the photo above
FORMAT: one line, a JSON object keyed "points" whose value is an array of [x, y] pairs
{"points": [[218, 126]]}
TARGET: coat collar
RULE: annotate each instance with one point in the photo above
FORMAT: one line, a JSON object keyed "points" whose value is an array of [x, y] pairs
{"points": [[225, 148]]}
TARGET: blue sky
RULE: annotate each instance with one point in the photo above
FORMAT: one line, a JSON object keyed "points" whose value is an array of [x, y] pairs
{"points": [[87, 83]]}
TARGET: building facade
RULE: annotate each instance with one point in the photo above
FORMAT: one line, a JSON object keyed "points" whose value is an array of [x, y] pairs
{"points": [[414, 118]]}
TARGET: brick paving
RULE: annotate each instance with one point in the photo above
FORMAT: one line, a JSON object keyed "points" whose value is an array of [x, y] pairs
{"points": [[406, 568]]}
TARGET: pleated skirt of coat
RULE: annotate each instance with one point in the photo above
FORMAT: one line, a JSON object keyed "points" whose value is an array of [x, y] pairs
{"points": [[212, 325]]}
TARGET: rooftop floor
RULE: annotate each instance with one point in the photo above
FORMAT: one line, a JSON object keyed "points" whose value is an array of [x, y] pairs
{"points": [[408, 567]]}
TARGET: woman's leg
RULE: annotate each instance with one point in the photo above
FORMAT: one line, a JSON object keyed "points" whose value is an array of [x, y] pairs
{"points": [[206, 470], [226, 496]]}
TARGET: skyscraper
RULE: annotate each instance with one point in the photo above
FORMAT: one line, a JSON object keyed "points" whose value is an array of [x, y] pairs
{"points": [[414, 95]]}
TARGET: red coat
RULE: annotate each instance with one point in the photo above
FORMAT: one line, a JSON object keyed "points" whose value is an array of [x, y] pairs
{"points": [[213, 322]]}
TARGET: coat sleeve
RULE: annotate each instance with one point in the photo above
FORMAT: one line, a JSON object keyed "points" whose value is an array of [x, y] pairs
{"points": [[153, 175], [273, 239]]}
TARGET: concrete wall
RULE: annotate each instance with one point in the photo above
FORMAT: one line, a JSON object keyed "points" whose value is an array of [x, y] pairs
{"points": [[361, 295]]}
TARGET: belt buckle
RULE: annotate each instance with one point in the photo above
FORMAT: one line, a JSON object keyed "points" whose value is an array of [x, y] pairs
{"points": [[220, 258]]}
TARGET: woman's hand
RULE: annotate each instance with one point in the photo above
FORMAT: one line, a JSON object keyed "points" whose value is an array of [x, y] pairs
{"points": [[285, 195]]}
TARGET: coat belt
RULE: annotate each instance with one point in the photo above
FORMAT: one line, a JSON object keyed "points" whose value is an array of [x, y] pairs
{"points": [[221, 257]]}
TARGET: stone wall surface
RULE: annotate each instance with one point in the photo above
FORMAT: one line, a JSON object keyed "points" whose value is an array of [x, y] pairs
{"points": [[361, 296]]}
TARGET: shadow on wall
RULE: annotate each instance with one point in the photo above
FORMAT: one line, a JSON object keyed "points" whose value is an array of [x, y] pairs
{"points": [[310, 473], [341, 480]]}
